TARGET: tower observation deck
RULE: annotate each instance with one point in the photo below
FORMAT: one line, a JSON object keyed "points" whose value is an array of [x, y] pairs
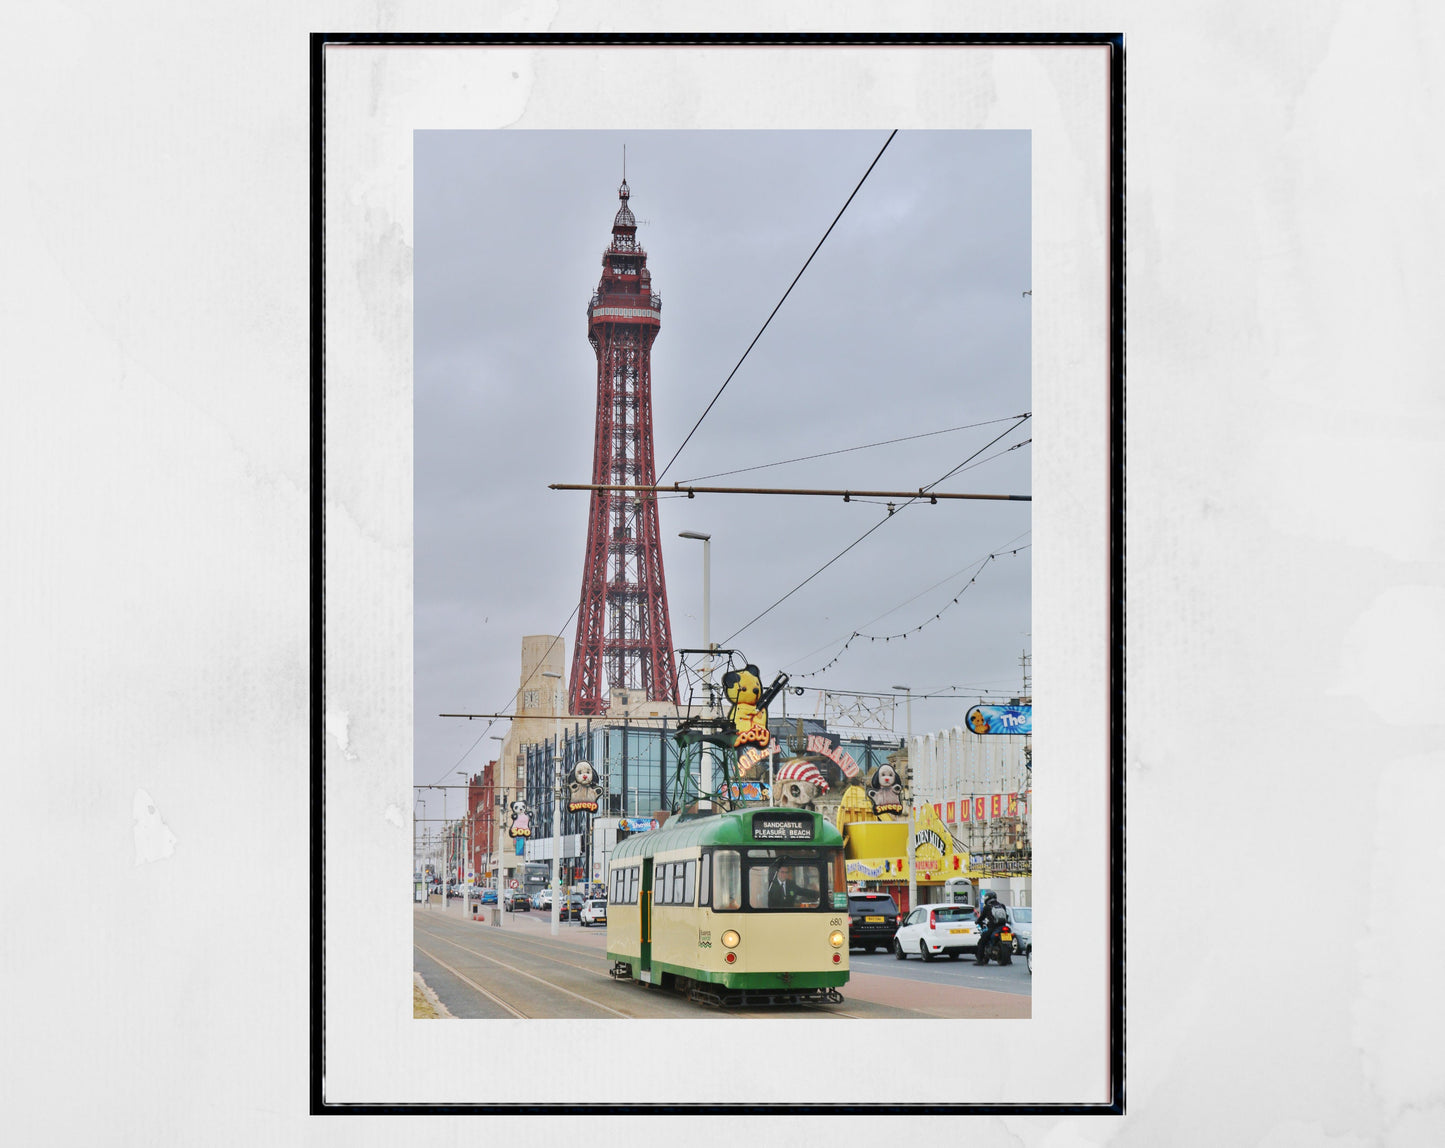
{"points": [[624, 637]]}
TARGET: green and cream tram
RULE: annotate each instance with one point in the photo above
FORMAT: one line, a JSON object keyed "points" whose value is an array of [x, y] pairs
{"points": [[749, 907]]}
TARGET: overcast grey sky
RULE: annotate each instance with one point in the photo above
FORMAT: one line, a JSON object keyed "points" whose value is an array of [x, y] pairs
{"points": [[911, 319]]}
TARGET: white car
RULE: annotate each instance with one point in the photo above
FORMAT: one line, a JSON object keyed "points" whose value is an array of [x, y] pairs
{"points": [[594, 912], [933, 930]]}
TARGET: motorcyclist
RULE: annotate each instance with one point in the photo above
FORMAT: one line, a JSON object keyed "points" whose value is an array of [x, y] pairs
{"points": [[991, 917]]}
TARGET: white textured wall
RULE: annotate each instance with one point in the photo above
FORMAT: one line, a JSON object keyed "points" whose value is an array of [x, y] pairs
{"points": [[1286, 599]]}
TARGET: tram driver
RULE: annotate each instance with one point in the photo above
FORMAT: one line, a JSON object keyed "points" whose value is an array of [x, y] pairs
{"points": [[785, 892]]}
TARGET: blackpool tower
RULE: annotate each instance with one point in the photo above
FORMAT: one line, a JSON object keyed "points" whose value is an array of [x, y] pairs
{"points": [[624, 638]]}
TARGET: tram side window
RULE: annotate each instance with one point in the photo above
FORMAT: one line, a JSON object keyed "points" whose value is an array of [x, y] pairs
{"points": [[727, 889], [678, 885], [704, 885], [688, 872], [660, 886], [631, 898]]}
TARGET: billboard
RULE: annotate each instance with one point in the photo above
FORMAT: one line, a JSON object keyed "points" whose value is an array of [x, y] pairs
{"points": [[1000, 719]]}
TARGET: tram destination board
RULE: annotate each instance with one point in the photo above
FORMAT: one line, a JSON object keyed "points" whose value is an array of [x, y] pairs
{"points": [[782, 827]]}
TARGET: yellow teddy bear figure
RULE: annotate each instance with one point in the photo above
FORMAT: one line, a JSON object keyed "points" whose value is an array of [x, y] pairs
{"points": [[744, 689]]}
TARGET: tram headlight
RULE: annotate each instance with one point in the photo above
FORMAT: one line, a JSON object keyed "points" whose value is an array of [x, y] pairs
{"points": [[836, 938], [730, 939]]}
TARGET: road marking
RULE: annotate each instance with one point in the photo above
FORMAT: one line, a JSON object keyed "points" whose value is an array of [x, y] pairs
{"points": [[530, 976], [463, 977]]}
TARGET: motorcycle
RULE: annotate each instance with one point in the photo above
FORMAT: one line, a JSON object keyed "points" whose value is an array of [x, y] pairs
{"points": [[998, 945]]}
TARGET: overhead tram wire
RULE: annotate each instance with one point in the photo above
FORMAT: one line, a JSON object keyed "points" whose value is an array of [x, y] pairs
{"points": [[904, 634], [846, 450], [683, 489], [871, 529], [781, 301], [979, 562]]}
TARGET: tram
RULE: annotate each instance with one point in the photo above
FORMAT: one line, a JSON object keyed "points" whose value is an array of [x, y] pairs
{"points": [[742, 908]]}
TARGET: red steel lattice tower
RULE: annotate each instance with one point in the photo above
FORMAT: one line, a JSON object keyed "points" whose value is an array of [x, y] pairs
{"points": [[624, 638]]}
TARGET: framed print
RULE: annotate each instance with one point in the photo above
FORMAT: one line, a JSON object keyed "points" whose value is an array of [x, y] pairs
{"points": [[836, 247]]}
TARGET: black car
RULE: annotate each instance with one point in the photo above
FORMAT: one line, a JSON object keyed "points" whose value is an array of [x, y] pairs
{"points": [[872, 921], [516, 901]]}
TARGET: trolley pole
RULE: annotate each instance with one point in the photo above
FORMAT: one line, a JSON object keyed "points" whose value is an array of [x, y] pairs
{"points": [[705, 754]]}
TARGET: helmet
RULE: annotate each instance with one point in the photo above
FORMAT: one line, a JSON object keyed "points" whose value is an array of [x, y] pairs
{"points": [[990, 898]]}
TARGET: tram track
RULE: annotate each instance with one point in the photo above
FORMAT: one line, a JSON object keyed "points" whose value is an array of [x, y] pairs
{"points": [[471, 984], [530, 976], [545, 949]]}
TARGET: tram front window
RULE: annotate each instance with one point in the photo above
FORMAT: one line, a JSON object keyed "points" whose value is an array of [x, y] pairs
{"points": [[791, 880], [767, 880], [727, 882]]}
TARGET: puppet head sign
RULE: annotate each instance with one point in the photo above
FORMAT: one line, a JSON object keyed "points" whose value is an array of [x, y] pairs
{"points": [[885, 789], [745, 689], [582, 782], [521, 820]]}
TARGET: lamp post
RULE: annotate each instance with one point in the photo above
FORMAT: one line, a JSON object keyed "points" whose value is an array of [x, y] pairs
{"points": [[705, 754], [912, 794], [496, 813], [556, 798], [445, 859], [420, 856], [467, 885]]}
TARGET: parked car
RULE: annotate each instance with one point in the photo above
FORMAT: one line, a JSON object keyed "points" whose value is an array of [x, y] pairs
{"points": [[933, 930], [872, 921], [571, 907], [489, 896], [594, 912], [516, 900], [543, 900], [1021, 917]]}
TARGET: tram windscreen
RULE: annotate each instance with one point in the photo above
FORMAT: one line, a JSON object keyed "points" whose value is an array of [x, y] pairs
{"points": [[766, 880]]}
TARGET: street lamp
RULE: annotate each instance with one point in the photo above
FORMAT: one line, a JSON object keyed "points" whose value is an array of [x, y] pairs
{"points": [[443, 844], [467, 886], [421, 856], [556, 799], [494, 817], [912, 794], [705, 763]]}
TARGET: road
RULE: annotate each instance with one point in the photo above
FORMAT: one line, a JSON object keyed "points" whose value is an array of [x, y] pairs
{"points": [[480, 972]]}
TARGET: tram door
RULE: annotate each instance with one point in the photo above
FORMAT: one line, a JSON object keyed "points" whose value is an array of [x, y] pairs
{"points": [[644, 918]]}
